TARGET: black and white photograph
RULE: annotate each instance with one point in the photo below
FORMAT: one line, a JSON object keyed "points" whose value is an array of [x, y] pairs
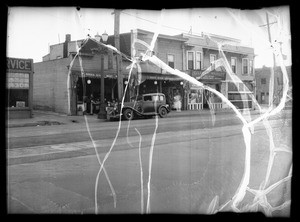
{"points": [[149, 111]]}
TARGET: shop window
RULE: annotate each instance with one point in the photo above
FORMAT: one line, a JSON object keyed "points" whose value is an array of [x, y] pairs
{"points": [[233, 64], [241, 86], [171, 61], [17, 97], [232, 87], [248, 86], [17, 89]]}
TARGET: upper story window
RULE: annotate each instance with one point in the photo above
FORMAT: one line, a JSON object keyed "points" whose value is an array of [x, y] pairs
{"points": [[245, 65], [212, 58], [171, 61], [263, 81], [190, 60], [198, 60], [251, 69], [233, 64]]}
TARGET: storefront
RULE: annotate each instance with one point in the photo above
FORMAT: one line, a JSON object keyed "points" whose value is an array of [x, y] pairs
{"points": [[240, 94], [88, 91], [167, 84], [198, 98], [19, 88]]}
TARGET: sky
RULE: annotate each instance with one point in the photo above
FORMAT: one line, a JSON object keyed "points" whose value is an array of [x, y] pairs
{"points": [[31, 30]]}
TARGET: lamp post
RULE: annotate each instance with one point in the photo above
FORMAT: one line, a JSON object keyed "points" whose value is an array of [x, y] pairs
{"points": [[102, 111]]}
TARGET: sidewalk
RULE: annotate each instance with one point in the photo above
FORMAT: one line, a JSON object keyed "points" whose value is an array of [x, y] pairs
{"points": [[76, 149], [43, 118]]}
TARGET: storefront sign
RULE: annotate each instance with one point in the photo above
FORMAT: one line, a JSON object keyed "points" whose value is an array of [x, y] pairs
{"points": [[162, 77], [18, 80], [95, 75], [19, 64], [214, 75]]}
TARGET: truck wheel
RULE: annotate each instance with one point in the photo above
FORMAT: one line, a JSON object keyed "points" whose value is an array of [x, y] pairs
{"points": [[162, 112], [128, 114]]}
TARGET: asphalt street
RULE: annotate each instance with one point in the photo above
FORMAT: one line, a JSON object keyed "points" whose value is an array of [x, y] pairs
{"points": [[194, 161]]}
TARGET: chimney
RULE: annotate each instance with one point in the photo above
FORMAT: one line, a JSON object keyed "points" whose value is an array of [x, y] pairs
{"points": [[65, 52], [68, 37]]}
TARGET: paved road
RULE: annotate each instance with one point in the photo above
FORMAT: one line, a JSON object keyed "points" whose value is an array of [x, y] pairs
{"points": [[77, 132], [192, 164]]}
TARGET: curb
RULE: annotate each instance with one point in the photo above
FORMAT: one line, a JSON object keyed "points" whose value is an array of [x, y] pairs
{"points": [[38, 123], [172, 114], [89, 149]]}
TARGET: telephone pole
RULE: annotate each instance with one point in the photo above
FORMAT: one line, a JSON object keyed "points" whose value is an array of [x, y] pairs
{"points": [[273, 83], [118, 57]]}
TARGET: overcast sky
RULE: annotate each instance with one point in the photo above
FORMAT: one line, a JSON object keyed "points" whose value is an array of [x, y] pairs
{"points": [[32, 29]]}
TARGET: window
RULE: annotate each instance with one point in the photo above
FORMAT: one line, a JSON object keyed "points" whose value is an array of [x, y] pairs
{"points": [[245, 66], [17, 97], [212, 58], [147, 98], [248, 86], [171, 60], [190, 60], [251, 70], [232, 87], [155, 98], [17, 89], [198, 60], [233, 64], [262, 97], [241, 86], [263, 81]]}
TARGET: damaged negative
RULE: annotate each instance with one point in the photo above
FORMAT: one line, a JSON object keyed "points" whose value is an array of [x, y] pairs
{"points": [[246, 197]]}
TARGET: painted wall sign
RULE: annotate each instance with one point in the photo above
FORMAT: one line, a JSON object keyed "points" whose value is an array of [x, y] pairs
{"points": [[18, 80], [19, 64]]}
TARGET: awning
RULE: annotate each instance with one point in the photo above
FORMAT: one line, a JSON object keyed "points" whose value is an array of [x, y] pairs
{"points": [[94, 74], [154, 76]]}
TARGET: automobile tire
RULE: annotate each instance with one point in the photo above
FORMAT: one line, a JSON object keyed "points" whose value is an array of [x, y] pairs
{"points": [[162, 112], [128, 114]]}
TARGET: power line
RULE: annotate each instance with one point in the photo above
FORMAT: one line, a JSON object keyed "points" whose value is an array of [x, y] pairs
{"points": [[170, 27]]}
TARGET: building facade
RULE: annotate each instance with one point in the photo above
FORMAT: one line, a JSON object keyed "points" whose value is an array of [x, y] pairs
{"points": [[64, 80], [19, 88], [263, 83], [200, 52]]}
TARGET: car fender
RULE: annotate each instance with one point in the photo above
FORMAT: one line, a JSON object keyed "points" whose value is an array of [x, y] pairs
{"points": [[134, 110], [167, 107]]}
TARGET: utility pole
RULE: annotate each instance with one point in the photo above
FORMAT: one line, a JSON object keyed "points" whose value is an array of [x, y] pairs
{"points": [[273, 83], [118, 57]]}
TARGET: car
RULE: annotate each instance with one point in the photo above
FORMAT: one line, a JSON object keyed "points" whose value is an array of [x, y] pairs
{"points": [[146, 105]]}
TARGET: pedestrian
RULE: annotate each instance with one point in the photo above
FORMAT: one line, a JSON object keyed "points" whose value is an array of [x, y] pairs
{"points": [[177, 102]]}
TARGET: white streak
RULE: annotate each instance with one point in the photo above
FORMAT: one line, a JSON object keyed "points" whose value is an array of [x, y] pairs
{"points": [[141, 170]]}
